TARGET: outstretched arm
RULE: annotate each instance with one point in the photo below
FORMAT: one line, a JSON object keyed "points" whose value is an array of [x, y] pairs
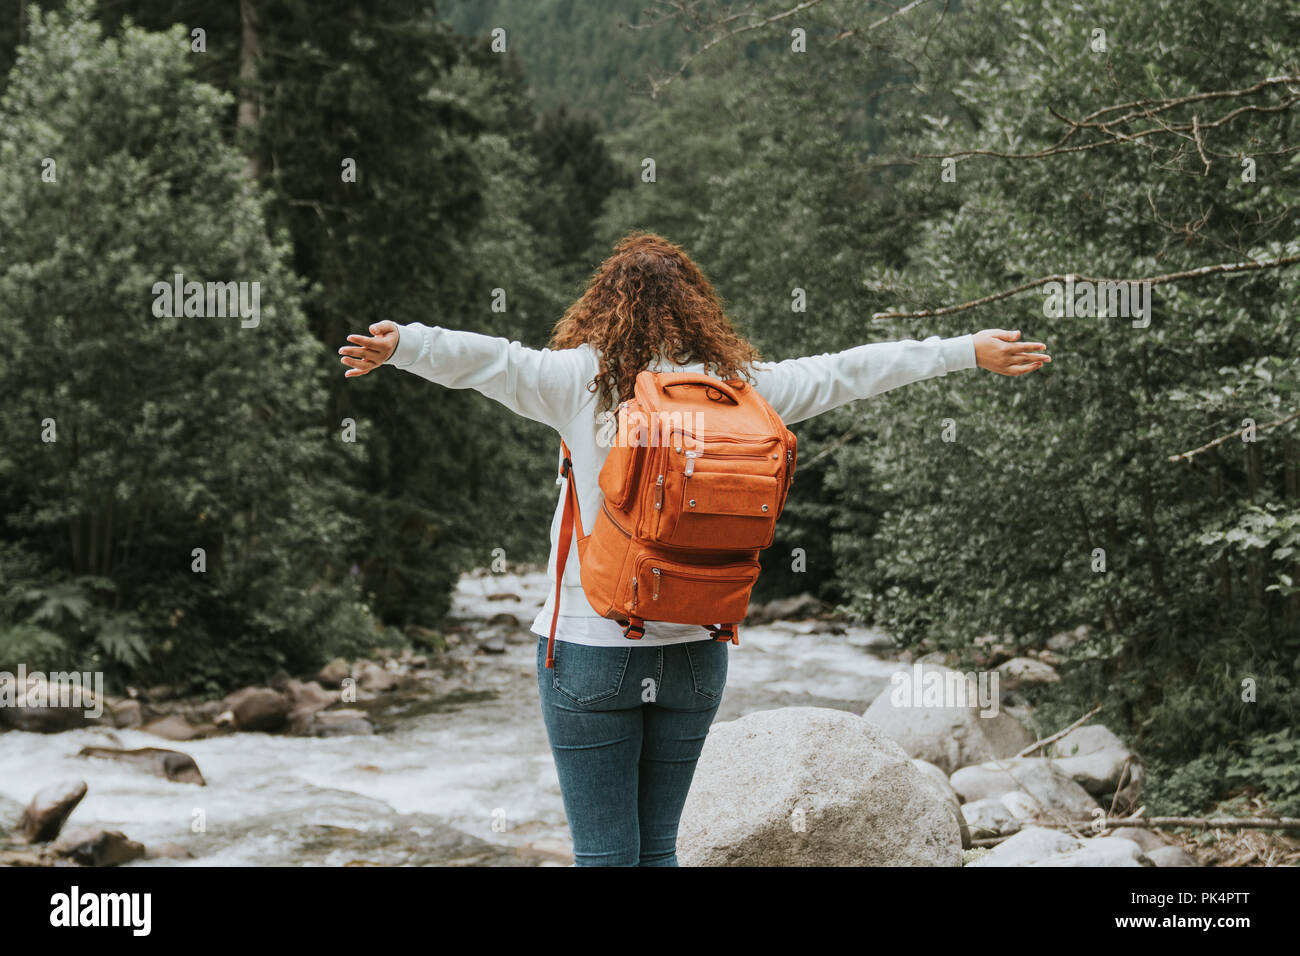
{"points": [[542, 384], [801, 388]]}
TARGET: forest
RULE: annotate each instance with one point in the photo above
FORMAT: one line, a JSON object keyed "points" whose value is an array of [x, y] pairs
{"points": [[195, 502]]}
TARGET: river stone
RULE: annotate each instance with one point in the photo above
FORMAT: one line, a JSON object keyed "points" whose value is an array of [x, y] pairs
{"points": [[1089, 739], [49, 810], [168, 764], [340, 723], [1148, 840], [375, 679], [792, 608], [940, 780], [1052, 788], [29, 707], [1099, 851], [172, 727], [127, 714], [257, 708], [92, 846], [334, 673], [858, 797], [948, 737], [1171, 856], [1031, 845], [1026, 670], [989, 818], [1097, 773]]}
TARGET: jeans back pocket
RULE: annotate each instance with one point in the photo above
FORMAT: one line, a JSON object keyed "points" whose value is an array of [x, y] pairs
{"points": [[588, 675], [708, 660]]}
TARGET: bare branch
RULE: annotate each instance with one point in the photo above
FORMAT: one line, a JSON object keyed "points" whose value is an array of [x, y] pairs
{"points": [[1189, 455], [1222, 268]]}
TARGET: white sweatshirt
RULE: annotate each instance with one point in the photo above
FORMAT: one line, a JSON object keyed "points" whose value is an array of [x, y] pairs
{"points": [[550, 386]]}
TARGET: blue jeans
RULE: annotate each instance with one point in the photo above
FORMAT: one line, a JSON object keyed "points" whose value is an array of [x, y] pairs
{"points": [[626, 726]]}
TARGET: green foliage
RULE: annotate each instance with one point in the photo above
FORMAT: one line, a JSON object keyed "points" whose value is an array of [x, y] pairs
{"points": [[997, 530], [130, 439], [591, 58]]}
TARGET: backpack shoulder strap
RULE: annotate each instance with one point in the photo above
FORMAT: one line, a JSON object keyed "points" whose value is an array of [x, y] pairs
{"points": [[568, 519]]}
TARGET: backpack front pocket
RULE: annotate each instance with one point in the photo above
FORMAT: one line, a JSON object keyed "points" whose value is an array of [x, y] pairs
{"points": [[717, 511], [692, 594]]}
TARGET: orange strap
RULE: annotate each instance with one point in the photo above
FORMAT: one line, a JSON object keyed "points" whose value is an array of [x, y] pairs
{"points": [[570, 516]]}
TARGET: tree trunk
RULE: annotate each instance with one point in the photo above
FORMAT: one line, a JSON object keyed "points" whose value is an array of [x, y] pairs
{"points": [[250, 112]]}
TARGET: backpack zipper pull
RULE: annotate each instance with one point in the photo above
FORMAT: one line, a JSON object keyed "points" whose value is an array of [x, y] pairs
{"points": [[690, 463], [659, 486], [657, 575], [634, 589]]}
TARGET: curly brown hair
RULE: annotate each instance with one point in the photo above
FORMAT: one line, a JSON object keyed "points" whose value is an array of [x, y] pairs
{"points": [[645, 301]]}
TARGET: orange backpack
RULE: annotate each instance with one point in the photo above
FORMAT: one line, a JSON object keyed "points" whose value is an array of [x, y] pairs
{"points": [[696, 478]]}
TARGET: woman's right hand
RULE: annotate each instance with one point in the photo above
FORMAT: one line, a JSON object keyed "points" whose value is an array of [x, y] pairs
{"points": [[368, 352]]}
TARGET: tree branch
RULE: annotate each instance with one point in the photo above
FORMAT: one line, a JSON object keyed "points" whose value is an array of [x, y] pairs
{"points": [[1189, 455], [1222, 268]]}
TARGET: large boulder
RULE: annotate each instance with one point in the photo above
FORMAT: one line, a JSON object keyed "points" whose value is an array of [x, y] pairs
{"points": [[48, 811], [1051, 792], [947, 736], [808, 786], [940, 781]]}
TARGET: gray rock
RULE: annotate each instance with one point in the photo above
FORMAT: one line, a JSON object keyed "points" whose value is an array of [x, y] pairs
{"points": [[989, 818], [492, 642], [1025, 670], [1053, 791], [1031, 845], [92, 846], [791, 608], [1097, 773], [1088, 739], [940, 780], [40, 707], [168, 764], [127, 714], [340, 723], [257, 708], [948, 737], [376, 679], [48, 811], [1171, 856], [1095, 757], [334, 673], [1100, 851], [1067, 640], [305, 700], [168, 851], [1148, 840], [803, 786], [173, 727]]}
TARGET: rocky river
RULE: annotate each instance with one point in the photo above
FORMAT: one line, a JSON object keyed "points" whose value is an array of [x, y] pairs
{"points": [[460, 778]]}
